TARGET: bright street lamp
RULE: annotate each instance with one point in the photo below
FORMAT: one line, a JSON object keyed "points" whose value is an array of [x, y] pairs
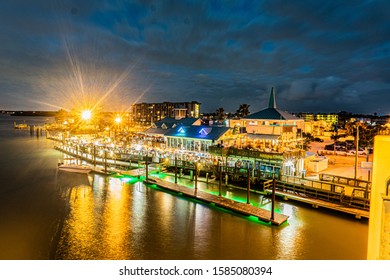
{"points": [[86, 115]]}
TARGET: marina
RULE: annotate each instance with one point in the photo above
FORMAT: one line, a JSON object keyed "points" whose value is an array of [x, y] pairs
{"points": [[195, 130], [328, 193]]}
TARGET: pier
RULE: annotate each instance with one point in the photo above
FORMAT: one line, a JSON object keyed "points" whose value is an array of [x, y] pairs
{"points": [[238, 207], [317, 203], [38, 131], [328, 192], [326, 195]]}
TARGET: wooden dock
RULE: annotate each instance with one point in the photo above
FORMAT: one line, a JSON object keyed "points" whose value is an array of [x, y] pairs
{"points": [[316, 203], [242, 208]]}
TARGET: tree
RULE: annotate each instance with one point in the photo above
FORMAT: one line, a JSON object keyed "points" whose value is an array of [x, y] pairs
{"points": [[367, 132], [242, 111], [335, 137], [307, 139], [220, 114]]}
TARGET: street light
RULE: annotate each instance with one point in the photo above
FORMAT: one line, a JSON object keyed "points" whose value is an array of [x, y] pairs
{"points": [[356, 150], [86, 115], [118, 120]]}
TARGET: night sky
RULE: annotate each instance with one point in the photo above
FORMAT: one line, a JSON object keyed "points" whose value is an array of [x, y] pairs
{"points": [[321, 56]]}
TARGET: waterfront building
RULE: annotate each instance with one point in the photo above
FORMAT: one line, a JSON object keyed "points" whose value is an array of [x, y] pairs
{"points": [[272, 129], [158, 130], [266, 142], [198, 138], [147, 113]]}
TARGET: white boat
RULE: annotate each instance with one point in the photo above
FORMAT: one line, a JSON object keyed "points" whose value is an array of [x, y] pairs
{"points": [[20, 125], [75, 168]]}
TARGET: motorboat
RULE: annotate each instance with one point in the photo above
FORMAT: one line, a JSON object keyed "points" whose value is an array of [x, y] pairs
{"points": [[20, 125], [76, 168]]}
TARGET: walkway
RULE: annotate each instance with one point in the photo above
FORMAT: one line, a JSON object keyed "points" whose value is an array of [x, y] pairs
{"points": [[242, 208]]}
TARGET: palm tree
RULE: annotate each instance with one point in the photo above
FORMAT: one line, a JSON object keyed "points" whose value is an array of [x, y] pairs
{"points": [[243, 110], [335, 137], [220, 114]]}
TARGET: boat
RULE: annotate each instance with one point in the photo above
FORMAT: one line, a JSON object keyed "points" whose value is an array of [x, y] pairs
{"points": [[75, 168], [20, 125]]}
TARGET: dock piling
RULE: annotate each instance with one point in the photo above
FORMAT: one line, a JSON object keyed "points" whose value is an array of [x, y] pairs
{"points": [[273, 199], [248, 187]]}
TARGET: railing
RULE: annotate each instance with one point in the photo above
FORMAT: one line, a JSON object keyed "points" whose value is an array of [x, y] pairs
{"points": [[333, 195], [276, 156], [358, 183]]}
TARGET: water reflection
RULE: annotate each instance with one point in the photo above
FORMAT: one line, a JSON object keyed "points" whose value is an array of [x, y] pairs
{"points": [[113, 219]]}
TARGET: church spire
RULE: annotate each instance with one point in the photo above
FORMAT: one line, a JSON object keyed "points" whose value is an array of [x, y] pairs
{"points": [[272, 102]]}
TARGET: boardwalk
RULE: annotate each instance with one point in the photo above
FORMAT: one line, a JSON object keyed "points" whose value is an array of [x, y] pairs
{"points": [[242, 208]]}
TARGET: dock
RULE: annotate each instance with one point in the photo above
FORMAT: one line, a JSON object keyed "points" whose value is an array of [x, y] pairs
{"points": [[238, 207], [316, 203]]}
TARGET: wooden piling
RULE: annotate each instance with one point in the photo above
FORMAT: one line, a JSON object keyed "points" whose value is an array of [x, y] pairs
{"points": [[248, 187], [273, 199], [175, 170]]}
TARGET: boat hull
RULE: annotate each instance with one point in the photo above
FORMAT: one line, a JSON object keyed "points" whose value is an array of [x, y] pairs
{"points": [[75, 168]]}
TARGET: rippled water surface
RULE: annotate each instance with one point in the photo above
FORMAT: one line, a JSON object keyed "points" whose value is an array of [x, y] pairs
{"points": [[50, 214]]}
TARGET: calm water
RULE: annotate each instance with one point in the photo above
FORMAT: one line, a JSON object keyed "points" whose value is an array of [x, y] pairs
{"points": [[49, 214]]}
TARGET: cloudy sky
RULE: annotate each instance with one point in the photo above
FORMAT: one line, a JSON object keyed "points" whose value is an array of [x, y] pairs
{"points": [[321, 56]]}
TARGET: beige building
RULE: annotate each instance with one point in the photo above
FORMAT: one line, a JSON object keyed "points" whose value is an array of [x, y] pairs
{"points": [[379, 221], [272, 129]]}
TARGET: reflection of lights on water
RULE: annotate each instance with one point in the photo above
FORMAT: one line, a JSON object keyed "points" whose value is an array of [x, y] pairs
{"points": [[115, 186], [288, 210], [125, 179]]}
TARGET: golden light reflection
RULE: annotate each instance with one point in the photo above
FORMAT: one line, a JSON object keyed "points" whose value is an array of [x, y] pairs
{"points": [[116, 220], [99, 222], [81, 225]]}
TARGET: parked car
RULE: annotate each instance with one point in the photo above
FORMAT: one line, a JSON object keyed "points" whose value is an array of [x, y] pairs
{"points": [[361, 151], [329, 147], [317, 139]]}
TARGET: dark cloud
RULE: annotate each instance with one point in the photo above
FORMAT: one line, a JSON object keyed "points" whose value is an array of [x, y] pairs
{"points": [[320, 55]]}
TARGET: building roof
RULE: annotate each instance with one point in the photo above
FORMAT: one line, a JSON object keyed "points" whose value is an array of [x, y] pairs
{"points": [[198, 132], [156, 131], [170, 122], [271, 113]]}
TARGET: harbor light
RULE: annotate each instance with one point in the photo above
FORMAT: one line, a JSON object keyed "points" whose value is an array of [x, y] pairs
{"points": [[86, 115]]}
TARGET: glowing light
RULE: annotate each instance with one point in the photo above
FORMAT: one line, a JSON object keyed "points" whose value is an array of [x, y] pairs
{"points": [[86, 115], [118, 119], [181, 130]]}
